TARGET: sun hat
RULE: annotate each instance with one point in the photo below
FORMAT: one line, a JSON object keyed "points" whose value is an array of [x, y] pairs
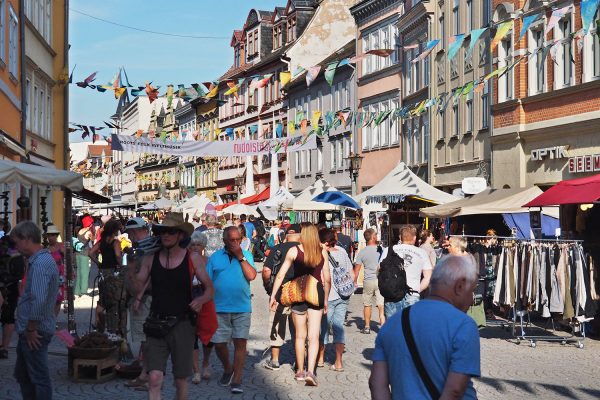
{"points": [[51, 229], [135, 223], [174, 220], [87, 221]]}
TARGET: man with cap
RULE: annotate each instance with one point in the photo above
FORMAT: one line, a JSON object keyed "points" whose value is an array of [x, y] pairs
{"points": [[281, 316], [170, 328]]}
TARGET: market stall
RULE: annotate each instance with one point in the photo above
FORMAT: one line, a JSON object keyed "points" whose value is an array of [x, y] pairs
{"points": [[503, 211], [304, 209], [271, 207], [404, 194]]}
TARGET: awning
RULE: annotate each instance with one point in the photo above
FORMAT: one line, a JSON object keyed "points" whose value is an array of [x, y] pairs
{"points": [[574, 191], [253, 199], [337, 198], [91, 197], [304, 200], [12, 172], [490, 201]]}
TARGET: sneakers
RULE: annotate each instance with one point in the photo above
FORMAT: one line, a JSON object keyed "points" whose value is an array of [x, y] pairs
{"points": [[272, 365], [197, 378], [236, 388], [226, 379], [366, 331], [310, 379], [300, 376]]}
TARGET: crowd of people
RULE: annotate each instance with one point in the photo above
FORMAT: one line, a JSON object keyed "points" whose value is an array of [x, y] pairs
{"points": [[309, 272]]}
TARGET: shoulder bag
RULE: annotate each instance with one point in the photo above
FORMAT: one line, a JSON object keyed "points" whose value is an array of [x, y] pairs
{"points": [[416, 357]]}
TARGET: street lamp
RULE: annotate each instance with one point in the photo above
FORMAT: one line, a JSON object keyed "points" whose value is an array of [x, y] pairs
{"points": [[355, 161], [238, 182]]}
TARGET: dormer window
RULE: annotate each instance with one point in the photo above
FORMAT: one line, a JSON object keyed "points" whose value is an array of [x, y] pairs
{"points": [[277, 36], [253, 43], [291, 29], [237, 56]]}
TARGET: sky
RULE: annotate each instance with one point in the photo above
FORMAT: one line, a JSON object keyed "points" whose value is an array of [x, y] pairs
{"points": [[99, 46]]}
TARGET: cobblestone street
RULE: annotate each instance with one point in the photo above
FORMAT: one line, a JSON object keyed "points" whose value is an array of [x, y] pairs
{"points": [[510, 371]]}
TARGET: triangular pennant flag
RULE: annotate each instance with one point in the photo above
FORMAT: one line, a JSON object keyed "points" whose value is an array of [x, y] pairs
{"points": [[182, 93], [299, 116], [151, 92], [199, 90], [279, 130], [454, 44], [119, 92], [501, 31], [555, 17], [298, 71], [527, 21], [426, 51], [136, 92], [71, 75], [264, 81], [86, 82], [233, 89], [381, 52], [253, 129], [285, 78], [291, 128], [303, 126], [99, 88], [214, 90], [312, 74], [126, 78], [475, 35], [588, 10], [468, 88], [163, 136], [229, 132], [345, 61], [330, 73], [314, 121]]}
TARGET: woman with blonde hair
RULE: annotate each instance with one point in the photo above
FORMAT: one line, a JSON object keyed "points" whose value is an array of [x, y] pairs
{"points": [[308, 258]]}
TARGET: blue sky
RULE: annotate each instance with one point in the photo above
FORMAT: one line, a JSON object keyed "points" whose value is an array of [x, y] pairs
{"points": [[98, 46]]}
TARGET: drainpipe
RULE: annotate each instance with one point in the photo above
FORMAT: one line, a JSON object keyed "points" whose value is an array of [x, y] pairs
{"points": [[287, 61], [23, 75]]}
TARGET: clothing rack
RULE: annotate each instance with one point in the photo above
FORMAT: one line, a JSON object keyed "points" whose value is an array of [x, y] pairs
{"points": [[520, 319]]}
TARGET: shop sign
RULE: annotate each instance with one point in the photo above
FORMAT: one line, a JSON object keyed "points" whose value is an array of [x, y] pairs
{"points": [[584, 164], [555, 152], [473, 185]]}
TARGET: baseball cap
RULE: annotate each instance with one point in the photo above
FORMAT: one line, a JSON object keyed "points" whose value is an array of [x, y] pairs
{"points": [[135, 223], [294, 228]]}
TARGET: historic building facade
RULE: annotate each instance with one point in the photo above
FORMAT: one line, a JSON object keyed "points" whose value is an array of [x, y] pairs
{"points": [[546, 112], [378, 86]]}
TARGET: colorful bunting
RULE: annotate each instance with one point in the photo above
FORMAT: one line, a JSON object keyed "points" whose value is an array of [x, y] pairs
{"points": [[285, 78], [588, 10], [555, 17], [312, 74], [454, 45], [151, 92], [501, 31], [426, 51], [527, 21], [291, 128], [330, 73], [475, 35]]}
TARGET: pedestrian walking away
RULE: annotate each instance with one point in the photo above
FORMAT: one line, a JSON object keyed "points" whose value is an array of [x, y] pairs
{"points": [[170, 327], [431, 349], [36, 320], [231, 270], [369, 258]]}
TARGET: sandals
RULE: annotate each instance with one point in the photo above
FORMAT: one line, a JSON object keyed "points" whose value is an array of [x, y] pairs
{"points": [[137, 382], [335, 369]]}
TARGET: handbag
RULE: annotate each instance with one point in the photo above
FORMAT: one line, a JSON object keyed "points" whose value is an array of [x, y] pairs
{"points": [[158, 327], [416, 357], [305, 288], [341, 279]]}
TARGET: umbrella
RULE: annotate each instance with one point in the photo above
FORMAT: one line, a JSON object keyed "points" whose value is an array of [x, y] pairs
{"points": [[239, 209], [337, 198]]}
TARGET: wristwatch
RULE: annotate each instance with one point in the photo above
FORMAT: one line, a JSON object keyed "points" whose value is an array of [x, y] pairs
{"points": [[242, 259]]}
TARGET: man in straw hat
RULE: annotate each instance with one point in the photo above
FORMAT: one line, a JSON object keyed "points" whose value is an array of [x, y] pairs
{"points": [[170, 327]]}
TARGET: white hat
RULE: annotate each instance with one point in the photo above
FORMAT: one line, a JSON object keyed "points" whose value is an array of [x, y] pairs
{"points": [[51, 229]]}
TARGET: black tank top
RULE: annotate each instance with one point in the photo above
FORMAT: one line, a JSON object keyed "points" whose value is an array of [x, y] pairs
{"points": [[171, 294], [109, 258]]}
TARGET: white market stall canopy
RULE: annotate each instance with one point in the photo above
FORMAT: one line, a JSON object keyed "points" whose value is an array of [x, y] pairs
{"points": [[239, 209], [195, 205], [401, 182], [490, 201], [159, 204], [270, 207], [28, 175], [304, 200]]}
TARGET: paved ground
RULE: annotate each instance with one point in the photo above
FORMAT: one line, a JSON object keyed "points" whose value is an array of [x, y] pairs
{"points": [[510, 371]]}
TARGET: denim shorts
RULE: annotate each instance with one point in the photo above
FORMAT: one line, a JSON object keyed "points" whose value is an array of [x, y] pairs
{"points": [[232, 326], [334, 319], [392, 308]]}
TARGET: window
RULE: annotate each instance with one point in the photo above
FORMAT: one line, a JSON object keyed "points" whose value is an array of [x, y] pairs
{"points": [[385, 127], [2, 29], [319, 158], [297, 163], [375, 129], [483, 51], [486, 12], [456, 18], [34, 114], [333, 157], [426, 72], [48, 134], [595, 54], [41, 111], [366, 133], [442, 29], [485, 105], [277, 37], [456, 119], [27, 103], [13, 39], [395, 125], [469, 105], [408, 147], [442, 125], [48, 22], [417, 141], [339, 152], [441, 70], [291, 29], [366, 65], [469, 15], [237, 56], [567, 64], [537, 69], [425, 128], [382, 37], [375, 60], [505, 82], [320, 100], [408, 70]]}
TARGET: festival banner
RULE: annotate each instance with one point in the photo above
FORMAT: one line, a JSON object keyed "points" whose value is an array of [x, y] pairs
{"points": [[235, 148]]}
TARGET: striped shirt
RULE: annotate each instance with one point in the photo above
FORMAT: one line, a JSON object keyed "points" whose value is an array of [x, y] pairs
{"points": [[39, 296]]}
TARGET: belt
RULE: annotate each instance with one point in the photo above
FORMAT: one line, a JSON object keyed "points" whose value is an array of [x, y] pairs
{"points": [[180, 317]]}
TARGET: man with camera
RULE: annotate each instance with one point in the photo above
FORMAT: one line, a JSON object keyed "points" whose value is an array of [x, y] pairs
{"points": [[171, 325], [36, 320]]}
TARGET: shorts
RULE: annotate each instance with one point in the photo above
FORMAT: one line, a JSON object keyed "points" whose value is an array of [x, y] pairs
{"points": [[178, 343], [11, 299], [279, 321], [232, 326], [302, 308], [334, 320], [370, 292]]}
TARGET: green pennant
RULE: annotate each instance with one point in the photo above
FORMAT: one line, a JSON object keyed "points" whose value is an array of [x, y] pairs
{"points": [[330, 72]]}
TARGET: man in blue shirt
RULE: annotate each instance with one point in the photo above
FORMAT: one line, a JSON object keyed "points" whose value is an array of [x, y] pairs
{"points": [[231, 269], [446, 339], [35, 313]]}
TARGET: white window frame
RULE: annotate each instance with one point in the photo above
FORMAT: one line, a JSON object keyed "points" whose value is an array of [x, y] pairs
{"points": [[536, 43], [456, 17], [395, 128], [469, 114], [13, 40], [455, 120], [426, 136], [3, 31], [469, 13], [563, 57], [339, 151], [485, 106], [320, 158], [505, 82], [385, 127], [591, 55]]}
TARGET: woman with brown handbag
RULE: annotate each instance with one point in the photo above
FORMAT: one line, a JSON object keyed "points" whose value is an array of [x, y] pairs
{"points": [[305, 287]]}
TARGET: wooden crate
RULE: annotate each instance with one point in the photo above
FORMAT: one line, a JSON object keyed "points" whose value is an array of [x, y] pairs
{"points": [[94, 371]]}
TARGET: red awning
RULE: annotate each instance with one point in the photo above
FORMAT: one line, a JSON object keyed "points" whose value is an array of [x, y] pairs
{"points": [[574, 191], [257, 198]]}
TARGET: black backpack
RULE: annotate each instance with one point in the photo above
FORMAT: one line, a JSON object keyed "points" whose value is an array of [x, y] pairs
{"points": [[392, 277], [278, 259]]}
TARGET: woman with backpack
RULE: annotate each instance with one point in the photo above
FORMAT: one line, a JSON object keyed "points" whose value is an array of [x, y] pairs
{"points": [[309, 263], [342, 282]]}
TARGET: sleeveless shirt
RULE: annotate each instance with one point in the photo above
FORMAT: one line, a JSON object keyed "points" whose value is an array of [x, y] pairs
{"points": [[171, 294], [109, 258], [302, 269]]}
